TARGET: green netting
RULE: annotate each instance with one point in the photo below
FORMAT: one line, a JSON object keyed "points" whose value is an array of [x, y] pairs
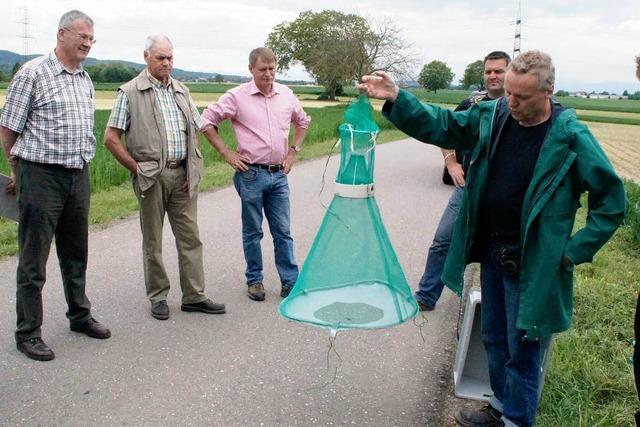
{"points": [[357, 139], [351, 277]]}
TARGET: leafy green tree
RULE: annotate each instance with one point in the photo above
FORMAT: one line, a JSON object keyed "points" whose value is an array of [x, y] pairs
{"points": [[15, 68], [474, 75], [219, 78], [562, 93], [3, 77], [435, 75], [94, 71], [625, 93], [337, 48], [116, 73]]}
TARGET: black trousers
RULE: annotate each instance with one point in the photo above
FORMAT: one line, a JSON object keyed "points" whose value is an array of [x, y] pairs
{"points": [[53, 201]]}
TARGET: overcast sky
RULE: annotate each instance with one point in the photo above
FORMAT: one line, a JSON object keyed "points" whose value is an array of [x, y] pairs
{"points": [[592, 42]]}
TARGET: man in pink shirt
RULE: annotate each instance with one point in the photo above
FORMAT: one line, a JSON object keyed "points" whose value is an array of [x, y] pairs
{"points": [[261, 112]]}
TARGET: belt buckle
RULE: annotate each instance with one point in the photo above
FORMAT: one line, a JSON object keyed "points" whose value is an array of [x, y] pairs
{"points": [[173, 164], [273, 168]]}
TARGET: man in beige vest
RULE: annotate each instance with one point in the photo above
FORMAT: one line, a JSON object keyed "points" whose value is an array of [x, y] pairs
{"points": [[161, 150]]}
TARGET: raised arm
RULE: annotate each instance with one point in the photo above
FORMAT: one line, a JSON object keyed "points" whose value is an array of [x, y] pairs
{"points": [[379, 85]]}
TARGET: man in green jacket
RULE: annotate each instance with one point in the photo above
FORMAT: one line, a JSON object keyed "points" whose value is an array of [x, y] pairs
{"points": [[531, 162]]}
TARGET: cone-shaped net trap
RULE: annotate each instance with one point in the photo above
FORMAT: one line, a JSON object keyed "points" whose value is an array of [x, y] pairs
{"points": [[351, 277]]}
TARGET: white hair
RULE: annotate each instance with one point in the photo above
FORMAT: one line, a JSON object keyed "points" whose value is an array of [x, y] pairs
{"points": [[152, 40]]}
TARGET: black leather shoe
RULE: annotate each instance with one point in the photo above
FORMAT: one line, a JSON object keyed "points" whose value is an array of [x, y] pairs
{"points": [[488, 416], [160, 310], [206, 306], [92, 328], [36, 349], [285, 291]]}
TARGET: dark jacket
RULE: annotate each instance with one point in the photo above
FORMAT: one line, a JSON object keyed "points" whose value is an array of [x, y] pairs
{"points": [[570, 163]]}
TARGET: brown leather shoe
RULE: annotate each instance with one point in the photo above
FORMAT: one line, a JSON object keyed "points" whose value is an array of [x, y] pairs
{"points": [[91, 328], [36, 349], [256, 291]]}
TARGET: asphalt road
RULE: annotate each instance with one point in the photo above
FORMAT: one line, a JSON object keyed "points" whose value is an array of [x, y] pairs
{"points": [[249, 367]]}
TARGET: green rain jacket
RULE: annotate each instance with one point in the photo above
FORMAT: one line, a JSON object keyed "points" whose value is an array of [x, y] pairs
{"points": [[570, 163]]}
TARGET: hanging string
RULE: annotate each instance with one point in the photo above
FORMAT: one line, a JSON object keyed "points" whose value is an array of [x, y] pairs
{"points": [[420, 324], [333, 334], [324, 173]]}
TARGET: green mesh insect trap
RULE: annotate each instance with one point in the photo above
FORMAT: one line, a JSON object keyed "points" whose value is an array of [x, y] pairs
{"points": [[352, 278]]}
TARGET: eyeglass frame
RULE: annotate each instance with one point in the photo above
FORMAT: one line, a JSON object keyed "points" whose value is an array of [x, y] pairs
{"points": [[83, 37]]}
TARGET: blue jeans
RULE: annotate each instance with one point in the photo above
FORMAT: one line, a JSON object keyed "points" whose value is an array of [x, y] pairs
{"points": [[514, 362], [261, 190], [430, 286]]}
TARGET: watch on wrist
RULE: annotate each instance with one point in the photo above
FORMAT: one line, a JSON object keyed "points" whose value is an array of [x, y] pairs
{"points": [[295, 148]]}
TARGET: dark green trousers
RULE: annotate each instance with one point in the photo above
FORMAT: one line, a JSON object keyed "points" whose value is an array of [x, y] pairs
{"points": [[53, 201]]}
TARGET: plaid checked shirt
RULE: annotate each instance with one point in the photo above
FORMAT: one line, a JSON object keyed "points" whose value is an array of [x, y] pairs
{"points": [[51, 108], [175, 122]]}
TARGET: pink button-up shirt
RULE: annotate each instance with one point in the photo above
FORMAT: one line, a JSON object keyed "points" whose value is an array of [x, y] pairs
{"points": [[261, 122]]}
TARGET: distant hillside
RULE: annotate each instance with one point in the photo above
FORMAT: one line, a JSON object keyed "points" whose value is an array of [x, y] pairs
{"points": [[8, 60]]}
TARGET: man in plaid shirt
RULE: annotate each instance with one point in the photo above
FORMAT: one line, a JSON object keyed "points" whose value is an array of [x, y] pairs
{"points": [[159, 122], [47, 134]]}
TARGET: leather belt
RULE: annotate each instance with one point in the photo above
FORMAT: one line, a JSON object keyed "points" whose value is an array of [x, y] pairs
{"points": [[270, 168], [174, 164]]}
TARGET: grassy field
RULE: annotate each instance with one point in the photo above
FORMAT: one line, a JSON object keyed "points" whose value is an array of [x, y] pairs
{"points": [[622, 145]]}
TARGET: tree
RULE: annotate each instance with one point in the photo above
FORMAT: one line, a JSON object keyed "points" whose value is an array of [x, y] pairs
{"points": [[625, 93], [562, 93], [3, 77], [337, 48], [474, 75], [218, 78], [15, 68], [435, 75]]}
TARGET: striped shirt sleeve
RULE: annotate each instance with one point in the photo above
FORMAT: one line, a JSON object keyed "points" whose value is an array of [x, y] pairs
{"points": [[18, 102], [119, 117]]}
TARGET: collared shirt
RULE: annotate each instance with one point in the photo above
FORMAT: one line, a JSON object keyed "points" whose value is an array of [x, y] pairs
{"points": [[51, 108], [175, 122], [261, 122]]}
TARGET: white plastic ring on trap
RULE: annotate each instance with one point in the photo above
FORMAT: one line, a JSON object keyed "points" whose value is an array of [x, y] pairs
{"points": [[361, 191]]}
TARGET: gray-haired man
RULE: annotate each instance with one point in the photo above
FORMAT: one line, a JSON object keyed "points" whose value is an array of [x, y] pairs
{"points": [[47, 133], [532, 160], [160, 124]]}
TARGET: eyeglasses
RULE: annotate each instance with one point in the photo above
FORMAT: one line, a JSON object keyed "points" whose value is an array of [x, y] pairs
{"points": [[84, 37]]}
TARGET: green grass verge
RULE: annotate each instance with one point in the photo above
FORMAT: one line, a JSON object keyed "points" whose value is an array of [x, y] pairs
{"points": [[589, 380]]}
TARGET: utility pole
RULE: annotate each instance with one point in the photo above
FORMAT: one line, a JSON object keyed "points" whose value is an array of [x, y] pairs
{"points": [[26, 35], [517, 38]]}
